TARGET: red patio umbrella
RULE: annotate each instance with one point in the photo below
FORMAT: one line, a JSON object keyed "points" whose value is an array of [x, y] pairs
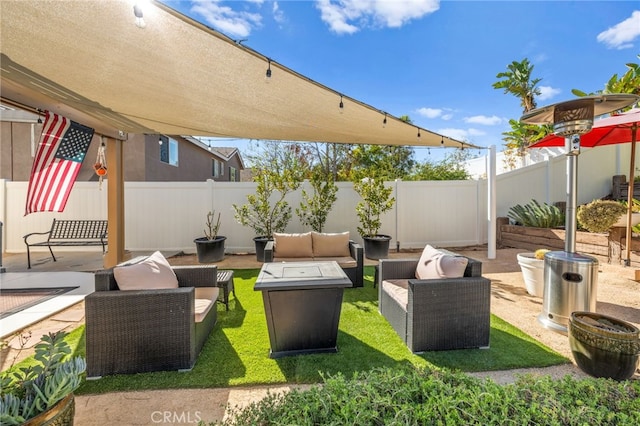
{"points": [[621, 128]]}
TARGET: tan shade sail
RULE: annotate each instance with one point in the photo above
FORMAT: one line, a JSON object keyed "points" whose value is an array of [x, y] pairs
{"points": [[174, 76]]}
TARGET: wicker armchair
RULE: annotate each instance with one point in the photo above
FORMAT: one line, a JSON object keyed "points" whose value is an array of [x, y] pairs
{"points": [[139, 331], [435, 314]]}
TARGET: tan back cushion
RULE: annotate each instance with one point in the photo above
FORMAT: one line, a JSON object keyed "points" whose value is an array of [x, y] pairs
{"points": [[435, 264], [292, 245], [330, 245], [152, 273]]}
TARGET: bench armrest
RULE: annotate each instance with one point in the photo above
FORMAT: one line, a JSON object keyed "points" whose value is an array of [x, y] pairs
{"points": [[35, 233]]}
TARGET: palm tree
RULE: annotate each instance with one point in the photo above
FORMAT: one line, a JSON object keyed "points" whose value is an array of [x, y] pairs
{"points": [[517, 81]]}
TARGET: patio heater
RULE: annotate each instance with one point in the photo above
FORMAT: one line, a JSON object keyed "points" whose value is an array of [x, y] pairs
{"points": [[571, 278]]}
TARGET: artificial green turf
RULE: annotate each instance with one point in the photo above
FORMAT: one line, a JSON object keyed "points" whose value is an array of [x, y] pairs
{"points": [[237, 352]]}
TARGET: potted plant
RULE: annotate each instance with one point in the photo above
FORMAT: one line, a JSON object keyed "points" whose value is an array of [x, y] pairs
{"points": [[604, 346], [261, 213], [532, 267], [315, 208], [42, 393], [210, 248], [375, 200]]}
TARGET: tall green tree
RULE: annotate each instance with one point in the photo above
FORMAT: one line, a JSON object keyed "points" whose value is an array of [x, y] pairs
{"points": [[450, 168], [518, 81], [628, 83], [384, 162]]}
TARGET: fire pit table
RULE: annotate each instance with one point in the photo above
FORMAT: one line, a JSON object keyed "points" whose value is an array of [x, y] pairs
{"points": [[302, 302]]}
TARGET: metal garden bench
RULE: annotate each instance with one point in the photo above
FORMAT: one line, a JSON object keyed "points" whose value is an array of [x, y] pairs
{"points": [[70, 233]]}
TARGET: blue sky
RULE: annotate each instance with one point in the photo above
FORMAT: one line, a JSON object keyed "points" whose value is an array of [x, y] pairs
{"points": [[436, 61]]}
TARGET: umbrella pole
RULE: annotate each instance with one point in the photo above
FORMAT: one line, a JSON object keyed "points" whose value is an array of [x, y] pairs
{"points": [[632, 168]]}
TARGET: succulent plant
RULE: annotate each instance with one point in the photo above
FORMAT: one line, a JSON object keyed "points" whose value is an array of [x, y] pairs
{"points": [[537, 215], [29, 391], [539, 254]]}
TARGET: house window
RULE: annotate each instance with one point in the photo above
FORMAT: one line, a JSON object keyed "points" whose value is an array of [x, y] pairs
{"points": [[232, 174], [218, 168], [169, 150]]}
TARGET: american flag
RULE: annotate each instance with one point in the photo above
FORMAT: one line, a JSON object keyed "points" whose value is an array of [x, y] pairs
{"points": [[62, 148]]}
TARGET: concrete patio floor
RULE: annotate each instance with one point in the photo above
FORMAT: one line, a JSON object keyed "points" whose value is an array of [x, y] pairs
{"points": [[618, 295]]}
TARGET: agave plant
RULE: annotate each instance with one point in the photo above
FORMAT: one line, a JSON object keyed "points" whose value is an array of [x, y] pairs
{"points": [[537, 215], [27, 392]]}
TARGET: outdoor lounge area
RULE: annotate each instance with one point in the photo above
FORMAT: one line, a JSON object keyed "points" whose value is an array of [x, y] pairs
{"points": [[230, 358]]}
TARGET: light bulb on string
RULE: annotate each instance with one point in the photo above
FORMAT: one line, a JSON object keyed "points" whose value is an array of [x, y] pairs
{"points": [[384, 121], [441, 140], [418, 135], [267, 75], [341, 105]]}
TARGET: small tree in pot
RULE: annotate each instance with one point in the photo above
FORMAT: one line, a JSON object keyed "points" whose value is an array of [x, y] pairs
{"points": [[376, 200], [261, 213], [210, 248], [314, 208]]}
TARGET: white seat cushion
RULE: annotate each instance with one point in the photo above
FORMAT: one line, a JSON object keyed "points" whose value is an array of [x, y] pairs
{"points": [[205, 299], [397, 290]]}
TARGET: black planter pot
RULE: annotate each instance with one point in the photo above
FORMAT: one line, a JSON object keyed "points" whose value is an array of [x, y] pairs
{"points": [[210, 251], [604, 346], [376, 247], [260, 242]]}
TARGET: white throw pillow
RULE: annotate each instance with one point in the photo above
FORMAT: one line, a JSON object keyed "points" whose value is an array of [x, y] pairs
{"points": [[150, 274], [434, 263]]}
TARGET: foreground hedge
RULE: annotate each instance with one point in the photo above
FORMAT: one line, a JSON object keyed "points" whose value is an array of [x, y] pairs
{"points": [[410, 397]]}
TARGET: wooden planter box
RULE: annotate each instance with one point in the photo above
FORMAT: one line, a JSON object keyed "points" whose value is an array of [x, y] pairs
{"points": [[607, 247]]}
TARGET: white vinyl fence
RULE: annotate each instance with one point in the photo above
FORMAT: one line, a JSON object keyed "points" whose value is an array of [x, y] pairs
{"points": [[169, 215]]}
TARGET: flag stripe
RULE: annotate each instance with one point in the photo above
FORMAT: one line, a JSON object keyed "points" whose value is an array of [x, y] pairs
{"points": [[61, 151], [53, 129], [51, 140]]}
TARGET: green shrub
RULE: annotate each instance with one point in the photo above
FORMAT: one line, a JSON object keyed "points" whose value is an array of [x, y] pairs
{"points": [[537, 215], [409, 396], [599, 215]]}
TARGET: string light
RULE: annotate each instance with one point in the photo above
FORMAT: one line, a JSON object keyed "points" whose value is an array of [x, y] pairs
{"points": [[137, 11], [384, 121], [418, 134], [442, 140], [267, 75], [341, 105]]}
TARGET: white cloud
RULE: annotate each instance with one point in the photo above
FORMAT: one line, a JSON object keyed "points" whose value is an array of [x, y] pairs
{"points": [[349, 16], [278, 15], [457, 134], [548, 92], [476, 132], [622, 35], [227, 20], [484, 120], [429, 112]]}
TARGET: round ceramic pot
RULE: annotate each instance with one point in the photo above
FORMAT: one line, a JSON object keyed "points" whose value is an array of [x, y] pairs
{"points": [[604, 346], [532, 273], [61, 414]]}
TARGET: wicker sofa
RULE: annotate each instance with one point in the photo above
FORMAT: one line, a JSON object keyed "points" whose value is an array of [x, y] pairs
{"points": [[316, 246], [435, 314], [137, 331]]}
